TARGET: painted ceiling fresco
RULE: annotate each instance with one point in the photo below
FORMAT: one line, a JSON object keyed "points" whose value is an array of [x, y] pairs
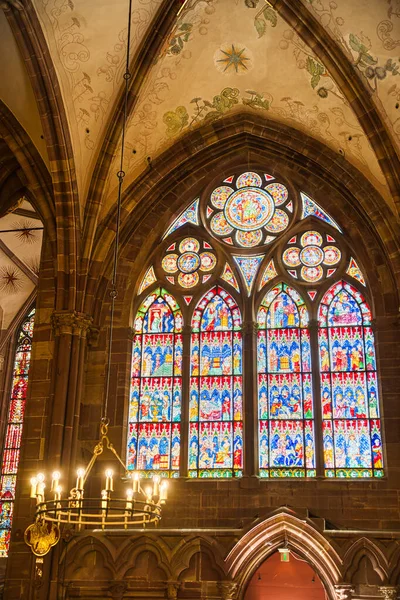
{"points": [[20, 247], [221, 57], [224, 56]]}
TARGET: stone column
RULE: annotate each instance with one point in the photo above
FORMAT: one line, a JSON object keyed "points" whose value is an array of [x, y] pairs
{"points": [[389, 592], [70, 328], [344, 591], [186, 335]]}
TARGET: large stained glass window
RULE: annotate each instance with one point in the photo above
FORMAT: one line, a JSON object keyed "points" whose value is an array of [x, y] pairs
{"points": [[215, 406], [285, 402], [12, 444], [349, 389], [156, 388]]}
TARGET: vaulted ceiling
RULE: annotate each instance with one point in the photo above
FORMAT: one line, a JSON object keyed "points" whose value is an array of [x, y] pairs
{"points": [[329, 69]]}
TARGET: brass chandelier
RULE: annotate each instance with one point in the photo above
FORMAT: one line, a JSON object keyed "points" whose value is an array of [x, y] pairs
{"points": [[141, 505]]}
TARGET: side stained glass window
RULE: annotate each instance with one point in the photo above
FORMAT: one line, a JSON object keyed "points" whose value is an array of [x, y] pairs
{"points": [[349, 391], [215, 408], [285, 402], [156, 387], [15, 418]]}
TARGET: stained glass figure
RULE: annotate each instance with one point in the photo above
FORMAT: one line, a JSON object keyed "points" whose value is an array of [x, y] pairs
{"points": [[188, 261], [248, 266], [147, 280], [354, 271], [269, 274], [312, 258], [215, 399], [312, 209], [247, 212], [156, 387], [349, 388], [285, 397], [12, 443], [229, 276], [189, 215]]}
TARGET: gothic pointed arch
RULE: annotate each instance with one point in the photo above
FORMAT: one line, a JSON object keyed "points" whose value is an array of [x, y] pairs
{"points": [[284, 528]]}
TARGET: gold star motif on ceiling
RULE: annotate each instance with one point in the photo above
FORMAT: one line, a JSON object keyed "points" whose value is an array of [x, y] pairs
{"points": [[234, 58]]}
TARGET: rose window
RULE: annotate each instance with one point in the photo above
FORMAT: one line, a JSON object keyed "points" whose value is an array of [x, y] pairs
{"points": [[187, 261], [244, 213], [314, 258]]}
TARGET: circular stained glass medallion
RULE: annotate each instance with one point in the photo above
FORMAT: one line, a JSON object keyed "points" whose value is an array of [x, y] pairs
{"points": [[220, 196], [249, 209], [311, 256], [220, 225], [169, 263], [278, 191], [312, 274], [189, 245], [188, 280], [311, 238], [208, 261], [291, 257], [188, 262], [332, 255], [278, 223], [248, 179], [249, 239]]}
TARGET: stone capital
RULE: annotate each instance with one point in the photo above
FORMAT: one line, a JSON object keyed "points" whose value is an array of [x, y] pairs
{"points": [[117, 590], [250, 328], [172, 589], [228, 589], [71, 322], [344, 591], [389, 592]]}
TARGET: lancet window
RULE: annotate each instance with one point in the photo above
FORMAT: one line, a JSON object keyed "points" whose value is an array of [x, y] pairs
{"points": [[13, 433], [252, 245]]}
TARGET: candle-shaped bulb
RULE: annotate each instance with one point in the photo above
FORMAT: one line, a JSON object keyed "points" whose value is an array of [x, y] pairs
{"points": [[163, 491], [40, 486], [135, 482], [129, 496], [109, 480], [80, 474], [55, 478], [149, 493], [34, 482], [156, 485]]}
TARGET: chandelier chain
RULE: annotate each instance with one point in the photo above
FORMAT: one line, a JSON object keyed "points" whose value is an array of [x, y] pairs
{"points": [[121, 175]]}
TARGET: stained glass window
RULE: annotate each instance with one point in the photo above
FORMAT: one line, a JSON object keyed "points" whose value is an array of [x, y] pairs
{"points": [[12, 444], [215, 406], [156, 388], [250, 211], [311, 256], [285, 401], [185, 263], [349, 390]]}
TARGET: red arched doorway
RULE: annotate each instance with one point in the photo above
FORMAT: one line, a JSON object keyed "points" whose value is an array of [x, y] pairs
{"points": [[293, 580]]}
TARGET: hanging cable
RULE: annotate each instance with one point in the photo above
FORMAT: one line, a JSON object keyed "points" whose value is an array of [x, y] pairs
{"points": [[121, 175]]}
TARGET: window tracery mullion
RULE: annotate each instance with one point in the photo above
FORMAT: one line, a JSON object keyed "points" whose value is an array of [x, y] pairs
{"points": [[316, 386], [186, 335]]}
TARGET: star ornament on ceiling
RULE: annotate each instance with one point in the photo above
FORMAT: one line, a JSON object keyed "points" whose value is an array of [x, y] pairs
{"points": [[234, 58]]}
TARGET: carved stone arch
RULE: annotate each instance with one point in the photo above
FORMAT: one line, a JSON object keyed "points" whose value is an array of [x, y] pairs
{"points": [[77, 556], [284, 528], [156, 196], [364, 547], [394, 566], [188, 547], [130, 551]]}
